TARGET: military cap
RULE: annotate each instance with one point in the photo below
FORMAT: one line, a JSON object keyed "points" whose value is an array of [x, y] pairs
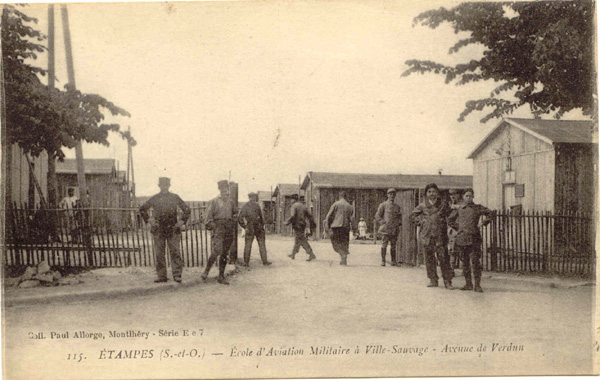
{"points": [[252, 195], [164, 181], [391, 190], [223, 184], [431, 185]]}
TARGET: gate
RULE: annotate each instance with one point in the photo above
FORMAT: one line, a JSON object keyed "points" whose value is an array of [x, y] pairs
{"points": [[407, 250], [93, 237]]}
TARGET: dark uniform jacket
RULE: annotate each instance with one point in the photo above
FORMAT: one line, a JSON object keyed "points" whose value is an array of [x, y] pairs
{"points": [[251, 217], [432, 218], [389, 216], [299, 217], [465, 220], [165, 212]]}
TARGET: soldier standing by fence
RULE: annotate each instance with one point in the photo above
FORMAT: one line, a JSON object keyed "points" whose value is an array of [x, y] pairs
{"points": [[221, 218], [166, 228], [466, 220], [252, 221], [431, 215]]}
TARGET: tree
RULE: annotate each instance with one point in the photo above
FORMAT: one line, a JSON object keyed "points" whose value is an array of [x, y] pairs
{"points": [[541, 53], [40, 118]]}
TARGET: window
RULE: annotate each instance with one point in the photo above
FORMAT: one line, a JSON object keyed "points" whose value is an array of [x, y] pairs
{"points": [[519, 191]]}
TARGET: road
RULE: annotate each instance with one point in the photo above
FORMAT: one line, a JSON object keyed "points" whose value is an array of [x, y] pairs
{"points": [[318, 318]]}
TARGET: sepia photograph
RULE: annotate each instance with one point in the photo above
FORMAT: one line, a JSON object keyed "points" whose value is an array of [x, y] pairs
{"points": [[299, 189]]}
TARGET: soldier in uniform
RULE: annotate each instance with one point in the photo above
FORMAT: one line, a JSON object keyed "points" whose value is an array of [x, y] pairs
{"points": [[299, 217], [252, 221], [339, 220], [431, 215], [466, 220], [454, 204], [220, 219], [166, 228], [389, 217]]}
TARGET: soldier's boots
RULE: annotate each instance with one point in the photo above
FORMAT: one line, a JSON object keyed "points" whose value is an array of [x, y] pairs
{"points": [[267, 263], [468, 285], [448, 285], [204, 275], [432, 284], [344, 262], [222, 280], [382, 257], [292, 256], [160, 280], [383, 263], [311, 257]]}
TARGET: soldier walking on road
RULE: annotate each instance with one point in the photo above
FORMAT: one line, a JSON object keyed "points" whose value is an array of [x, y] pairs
{"points": [[339, 220], [252, 221], [431, 215], [220, 219], [166, 228], [466, 220], [389, 217], [299, 217]]}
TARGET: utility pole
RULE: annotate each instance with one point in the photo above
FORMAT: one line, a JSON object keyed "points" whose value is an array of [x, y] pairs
{"points": [[130, 189], [71, 74], [51, 176]]}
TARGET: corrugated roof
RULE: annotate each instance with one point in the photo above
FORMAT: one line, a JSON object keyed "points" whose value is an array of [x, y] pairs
{"points": [[558, 131], [286, 189], [384, 181], [550, 131], [91, 166]]}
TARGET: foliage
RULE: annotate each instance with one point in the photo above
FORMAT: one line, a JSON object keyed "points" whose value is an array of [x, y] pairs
{"points": [[40, 118], [541, 53]]}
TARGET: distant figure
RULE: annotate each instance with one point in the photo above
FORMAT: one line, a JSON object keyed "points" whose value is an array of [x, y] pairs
{"points": [[362, 229], [252, 221], [69, 203], [454, 204], [220, 219], [300, 218], [166, 228], [431, 216], [339, 220], [389, 217], [466, 220]]}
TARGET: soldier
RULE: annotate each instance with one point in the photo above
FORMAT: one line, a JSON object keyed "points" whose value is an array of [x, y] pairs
{"points": [[252, 221], [165, 227], [220, 219], [389, 218], [466, 220], [339, 220], [431, 215], [299, 216], [454, 204]]}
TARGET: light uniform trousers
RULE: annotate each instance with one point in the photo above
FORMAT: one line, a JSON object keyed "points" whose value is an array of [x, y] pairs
{"points": [[259, 234]]}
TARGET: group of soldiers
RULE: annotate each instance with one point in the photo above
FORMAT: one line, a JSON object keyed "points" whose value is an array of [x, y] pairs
{"points": [[434, 216]]}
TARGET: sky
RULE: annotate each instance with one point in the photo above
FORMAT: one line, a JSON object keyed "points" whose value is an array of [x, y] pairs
{"points": [[268, 91]]}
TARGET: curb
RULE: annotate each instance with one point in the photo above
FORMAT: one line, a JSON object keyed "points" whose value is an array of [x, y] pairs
{"points": [[110, 293]]}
